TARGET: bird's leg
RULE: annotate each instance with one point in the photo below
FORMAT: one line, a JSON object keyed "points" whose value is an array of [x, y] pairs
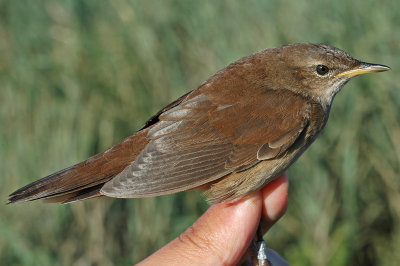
{"points": [[257, 252], [260, 248]]}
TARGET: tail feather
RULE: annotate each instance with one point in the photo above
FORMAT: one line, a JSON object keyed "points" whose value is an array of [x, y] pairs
{"points": [[83, 180], [66, 182], [87, 193], [90, 193], [34, 186]]}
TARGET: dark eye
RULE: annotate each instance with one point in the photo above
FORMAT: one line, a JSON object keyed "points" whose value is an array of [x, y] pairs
{"points": [[322, 70]]}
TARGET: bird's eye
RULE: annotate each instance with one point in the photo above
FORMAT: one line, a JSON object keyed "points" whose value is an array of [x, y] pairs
{"points": [[322, 70]]}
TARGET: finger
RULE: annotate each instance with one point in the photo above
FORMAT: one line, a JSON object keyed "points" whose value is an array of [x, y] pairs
{"points": [[275, 200], [220, 236]]}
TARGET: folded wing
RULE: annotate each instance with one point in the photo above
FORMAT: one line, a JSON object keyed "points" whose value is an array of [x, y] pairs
{"points": [[202, 140]]}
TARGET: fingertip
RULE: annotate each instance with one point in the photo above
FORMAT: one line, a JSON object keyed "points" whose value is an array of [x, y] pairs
{"points": [[275, 199]]}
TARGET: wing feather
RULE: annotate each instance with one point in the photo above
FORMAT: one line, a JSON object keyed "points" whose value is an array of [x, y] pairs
{"points": [[187, 149]]}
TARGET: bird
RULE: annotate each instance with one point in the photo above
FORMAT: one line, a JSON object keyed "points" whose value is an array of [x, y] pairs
{"points": [[233, 134]]}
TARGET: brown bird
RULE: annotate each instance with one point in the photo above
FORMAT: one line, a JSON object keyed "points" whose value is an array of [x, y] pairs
{"points": [[233, 134]]}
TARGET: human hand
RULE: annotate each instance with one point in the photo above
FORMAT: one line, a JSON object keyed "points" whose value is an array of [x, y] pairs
{"points": [[223, 233]]}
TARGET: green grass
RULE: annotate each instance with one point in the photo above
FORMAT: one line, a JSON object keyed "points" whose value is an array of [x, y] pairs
{"points": [[79, 76]]}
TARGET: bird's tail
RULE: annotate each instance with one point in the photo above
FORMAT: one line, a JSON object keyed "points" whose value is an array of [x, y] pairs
{"points": [[84, 180]]}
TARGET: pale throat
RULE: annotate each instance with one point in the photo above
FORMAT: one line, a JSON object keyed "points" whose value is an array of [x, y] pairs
{"points": [[326, 97]]}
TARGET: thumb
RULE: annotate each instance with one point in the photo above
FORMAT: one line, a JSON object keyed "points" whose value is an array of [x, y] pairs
{"points": [[219, 236]]}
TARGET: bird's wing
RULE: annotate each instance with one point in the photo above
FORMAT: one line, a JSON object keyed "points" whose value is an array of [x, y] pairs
{"points": [[203, 139]]}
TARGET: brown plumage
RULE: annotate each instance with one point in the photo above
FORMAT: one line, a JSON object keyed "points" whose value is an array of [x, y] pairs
{"points": [[235, 132]]}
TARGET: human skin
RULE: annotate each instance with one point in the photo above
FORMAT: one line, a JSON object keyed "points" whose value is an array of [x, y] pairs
{"points": [[223, 233]]}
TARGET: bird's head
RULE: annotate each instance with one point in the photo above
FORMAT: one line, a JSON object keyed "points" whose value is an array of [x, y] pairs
{"points": [[314, 70]]}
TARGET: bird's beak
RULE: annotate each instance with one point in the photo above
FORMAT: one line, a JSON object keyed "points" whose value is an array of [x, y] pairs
{"points": [[363, 68]]}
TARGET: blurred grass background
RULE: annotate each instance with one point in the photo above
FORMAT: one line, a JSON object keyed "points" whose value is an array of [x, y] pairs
{"points": [[79, 76]]}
